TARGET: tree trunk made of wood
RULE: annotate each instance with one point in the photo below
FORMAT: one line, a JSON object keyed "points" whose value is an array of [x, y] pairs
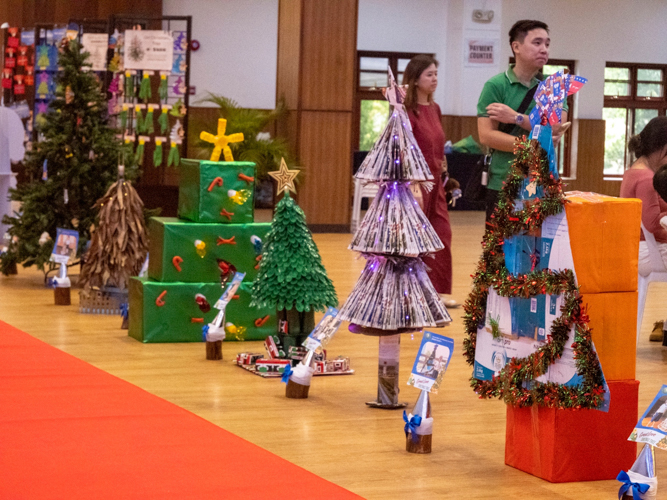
{"points": [[296, 391], [421, 444], [62, 296], [214, 350]]}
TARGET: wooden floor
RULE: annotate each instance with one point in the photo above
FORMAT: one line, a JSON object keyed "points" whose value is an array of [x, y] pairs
{"points": [[333, 433]]}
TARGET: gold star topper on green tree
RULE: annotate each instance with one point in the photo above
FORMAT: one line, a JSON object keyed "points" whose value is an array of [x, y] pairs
{"points": [[221, 141], [285, 177]]}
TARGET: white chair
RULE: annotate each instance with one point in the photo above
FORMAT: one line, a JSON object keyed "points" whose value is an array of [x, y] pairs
{"points": [[361, 191], [658, 273]]}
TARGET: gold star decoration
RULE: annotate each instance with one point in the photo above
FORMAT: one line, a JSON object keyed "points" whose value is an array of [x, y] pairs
{"points": [[221, 141], [285, 177]]}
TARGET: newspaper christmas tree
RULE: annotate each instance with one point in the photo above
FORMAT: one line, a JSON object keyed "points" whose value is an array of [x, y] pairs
{"points": [[394, 293]]}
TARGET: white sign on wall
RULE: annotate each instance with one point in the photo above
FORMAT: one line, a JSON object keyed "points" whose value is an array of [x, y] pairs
{"points": [[480, 52], [96, 45], [149, 50]]}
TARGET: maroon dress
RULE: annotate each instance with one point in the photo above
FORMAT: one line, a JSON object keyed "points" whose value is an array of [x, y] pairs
{"points": [[431, 140]]}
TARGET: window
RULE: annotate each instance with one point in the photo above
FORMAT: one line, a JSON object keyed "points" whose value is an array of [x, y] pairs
{"points": [[633, 95], [371, 107], [565, 145]]}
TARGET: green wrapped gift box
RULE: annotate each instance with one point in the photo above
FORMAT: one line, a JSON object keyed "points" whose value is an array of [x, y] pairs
{"points": [[216, 191], [172, 247], [171, 312]]}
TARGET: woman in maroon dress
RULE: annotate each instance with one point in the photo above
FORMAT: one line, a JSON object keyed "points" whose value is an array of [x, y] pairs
{"points": [[421, 77]]}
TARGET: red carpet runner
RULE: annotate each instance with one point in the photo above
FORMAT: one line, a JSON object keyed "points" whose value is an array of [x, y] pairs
{"points": [[69, 430]]}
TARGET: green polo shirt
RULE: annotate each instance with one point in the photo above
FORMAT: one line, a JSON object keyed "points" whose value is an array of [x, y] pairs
{"points": [[504, 88]]}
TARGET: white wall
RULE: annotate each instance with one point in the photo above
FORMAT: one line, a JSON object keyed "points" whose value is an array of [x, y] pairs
{"points": [[238, 54], [593, 32], [239, 48]]}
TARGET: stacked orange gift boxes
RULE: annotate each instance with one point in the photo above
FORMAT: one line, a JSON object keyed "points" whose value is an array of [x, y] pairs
{"points": [[562, 445]]}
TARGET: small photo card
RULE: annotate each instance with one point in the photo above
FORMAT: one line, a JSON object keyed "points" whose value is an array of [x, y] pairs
{"points": [[64, 249], [230, 291], [431, 363], [652, 425], [323, 331]]}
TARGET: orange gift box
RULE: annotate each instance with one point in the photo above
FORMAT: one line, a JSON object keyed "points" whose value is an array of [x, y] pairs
{"points": [[604, 237], [613, 321], [574, 445]]}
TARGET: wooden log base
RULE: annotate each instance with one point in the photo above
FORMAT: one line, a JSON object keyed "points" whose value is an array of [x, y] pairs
{"points": [[62, 296], [420, 445], [376, 332], [12, 269], [296, 391], [214, 350]]}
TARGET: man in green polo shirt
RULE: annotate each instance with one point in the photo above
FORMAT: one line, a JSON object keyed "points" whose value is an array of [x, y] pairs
{"points": [[501, 97]]}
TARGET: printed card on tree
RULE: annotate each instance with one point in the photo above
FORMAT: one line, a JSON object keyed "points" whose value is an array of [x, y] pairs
{"points": [[652, 425], [229, 292], [323, 331], [64, 249], [431, 363]]}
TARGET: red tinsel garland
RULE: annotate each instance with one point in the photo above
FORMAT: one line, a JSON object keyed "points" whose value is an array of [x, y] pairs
{"points": [[516, 384]]}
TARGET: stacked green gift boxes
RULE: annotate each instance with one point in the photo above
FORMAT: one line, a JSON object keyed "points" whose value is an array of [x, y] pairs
{"points": [[191, 256]]}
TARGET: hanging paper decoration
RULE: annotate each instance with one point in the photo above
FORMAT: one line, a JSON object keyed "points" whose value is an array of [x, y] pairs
{"points": [[139, 117], [179, 65], [221, 141], [178, 109], [129, 85], [145, 88], [163, 120], [180, 41], [157, 153], [148, 121], [179, 86], [174, 158], [30, 76], [163, 88], [123, 117], [139, 153], [43, 57], [43, 87]]}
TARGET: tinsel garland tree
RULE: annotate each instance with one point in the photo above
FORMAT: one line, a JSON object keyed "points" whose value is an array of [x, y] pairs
{"points": [[516, 382], [291, 273], [79, 155], [119, 243]]}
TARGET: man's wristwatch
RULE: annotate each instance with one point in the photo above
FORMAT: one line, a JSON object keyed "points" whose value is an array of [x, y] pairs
{"points": [[518, 119]]}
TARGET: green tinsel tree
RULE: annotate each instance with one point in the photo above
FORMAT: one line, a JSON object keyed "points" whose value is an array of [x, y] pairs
{"points": [[291, 274], [81, 153]]}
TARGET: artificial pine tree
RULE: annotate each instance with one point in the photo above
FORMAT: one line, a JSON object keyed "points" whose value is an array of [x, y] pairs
{"points": [[79, 155], [291, 275], [394, 293], [120, 243]]}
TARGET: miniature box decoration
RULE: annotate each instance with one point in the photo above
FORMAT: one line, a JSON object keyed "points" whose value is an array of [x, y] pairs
{"points": [[175, 256], [216, 192], [173, 312]]}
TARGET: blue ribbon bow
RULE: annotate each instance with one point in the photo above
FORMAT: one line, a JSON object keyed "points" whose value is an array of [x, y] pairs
{"points": [[124, 310], [204, 332], [288, 371], [638, 489], [411, 425]]}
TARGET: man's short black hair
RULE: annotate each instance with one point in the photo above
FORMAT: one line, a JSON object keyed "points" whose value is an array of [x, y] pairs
{"points": [[521, 28]]}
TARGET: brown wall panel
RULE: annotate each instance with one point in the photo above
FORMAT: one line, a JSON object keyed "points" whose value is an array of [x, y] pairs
{"points": [[459, 127], [289, 50], [329, 31], [590, 160], [25, 13], [326, 152]]}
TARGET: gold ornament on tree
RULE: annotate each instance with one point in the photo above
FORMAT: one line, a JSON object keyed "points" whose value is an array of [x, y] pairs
{"points": [[120, 243]]}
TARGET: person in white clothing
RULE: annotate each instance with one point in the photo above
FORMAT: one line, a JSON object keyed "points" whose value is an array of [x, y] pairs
{"points": [[11, 151]]}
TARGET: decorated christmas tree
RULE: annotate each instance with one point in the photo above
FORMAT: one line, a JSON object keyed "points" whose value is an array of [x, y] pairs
{"points": [[69, 170], [394, 293], [119, 243], [291, 276], [528, 334]]}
